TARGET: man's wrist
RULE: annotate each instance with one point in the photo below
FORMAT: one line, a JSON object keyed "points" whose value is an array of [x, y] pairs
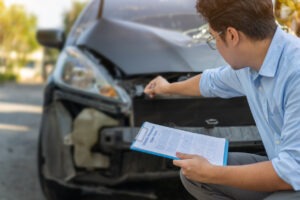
{"points": [[168, 89], [216, 174]]}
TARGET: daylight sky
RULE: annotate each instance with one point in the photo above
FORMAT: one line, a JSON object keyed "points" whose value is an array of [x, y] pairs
{"points": [[49, 12]]}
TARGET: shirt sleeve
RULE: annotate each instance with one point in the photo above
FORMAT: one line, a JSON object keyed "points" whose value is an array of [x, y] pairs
{"points": [[287, 163], [221, 82]]}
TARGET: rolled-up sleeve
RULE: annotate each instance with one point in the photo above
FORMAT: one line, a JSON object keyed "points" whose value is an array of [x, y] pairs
{"points": [[221, 82], [287, 168], [287, 162]]}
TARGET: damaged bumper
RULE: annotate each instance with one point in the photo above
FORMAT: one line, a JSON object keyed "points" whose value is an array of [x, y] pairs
{"points": [[94, 140], [86, 146]]}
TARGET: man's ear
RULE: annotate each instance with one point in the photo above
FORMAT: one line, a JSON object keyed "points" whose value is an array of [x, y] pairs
{"points": [[233, 36]]}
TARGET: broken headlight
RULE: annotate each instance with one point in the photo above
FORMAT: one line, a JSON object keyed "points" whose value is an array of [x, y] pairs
{"points": [[75, 70]]}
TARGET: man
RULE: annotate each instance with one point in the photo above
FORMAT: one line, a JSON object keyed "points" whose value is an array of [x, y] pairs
{"points": [[265, 67]]}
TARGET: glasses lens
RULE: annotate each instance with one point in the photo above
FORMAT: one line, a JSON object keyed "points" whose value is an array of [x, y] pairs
{"points": [[211, 41], [212, 44]]}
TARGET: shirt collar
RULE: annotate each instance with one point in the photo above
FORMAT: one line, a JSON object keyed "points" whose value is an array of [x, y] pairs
{"points": [[273, 56]]}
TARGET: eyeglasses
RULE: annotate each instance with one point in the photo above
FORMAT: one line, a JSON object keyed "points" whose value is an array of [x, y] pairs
{"points": [[211, 41]]}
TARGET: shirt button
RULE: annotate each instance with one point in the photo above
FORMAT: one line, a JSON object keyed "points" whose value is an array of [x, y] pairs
{"points": [[277, 142]]}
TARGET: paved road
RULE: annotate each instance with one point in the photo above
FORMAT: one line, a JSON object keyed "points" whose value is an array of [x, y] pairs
{"points": [[20, 112]]}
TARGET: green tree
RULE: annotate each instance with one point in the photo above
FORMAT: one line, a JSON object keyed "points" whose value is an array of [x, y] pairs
{"points": [[2, 8], [17, 34], [70, 16]]}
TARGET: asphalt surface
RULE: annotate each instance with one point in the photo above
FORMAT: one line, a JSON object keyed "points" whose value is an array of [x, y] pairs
{"points": [[20, 114]]}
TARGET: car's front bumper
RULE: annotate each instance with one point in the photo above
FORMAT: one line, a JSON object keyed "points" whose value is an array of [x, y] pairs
{"points": [[121, 172]]}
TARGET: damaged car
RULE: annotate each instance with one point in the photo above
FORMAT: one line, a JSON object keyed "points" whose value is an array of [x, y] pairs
{"points": [[94, 103]]}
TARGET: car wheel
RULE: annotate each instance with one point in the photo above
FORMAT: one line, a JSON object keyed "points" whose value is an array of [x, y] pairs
{"points": [[51, 189]]}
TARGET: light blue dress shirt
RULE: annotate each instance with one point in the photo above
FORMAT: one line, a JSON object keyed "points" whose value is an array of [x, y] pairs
{"points": [[273, 94]]}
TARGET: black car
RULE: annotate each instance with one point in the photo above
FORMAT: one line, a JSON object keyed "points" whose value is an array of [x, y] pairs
{"points": [[94, 102]]}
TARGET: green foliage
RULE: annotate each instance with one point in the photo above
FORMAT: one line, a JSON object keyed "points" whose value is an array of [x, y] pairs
{"points": [[69, 17], [2, 8], [17, 34], [7, 77], [50, 56]]}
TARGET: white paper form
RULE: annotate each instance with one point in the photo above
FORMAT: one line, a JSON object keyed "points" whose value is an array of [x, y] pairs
{"points": [[165, 141]]}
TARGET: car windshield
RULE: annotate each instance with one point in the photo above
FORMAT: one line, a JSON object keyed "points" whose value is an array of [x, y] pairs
{"points": [[178, 15]]}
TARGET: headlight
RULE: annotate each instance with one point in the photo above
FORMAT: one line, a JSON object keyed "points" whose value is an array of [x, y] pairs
{"points": [[77, 71]]}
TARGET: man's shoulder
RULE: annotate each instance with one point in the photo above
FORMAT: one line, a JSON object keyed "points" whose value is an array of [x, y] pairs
{"points": [[290, 61], [292, 46]]}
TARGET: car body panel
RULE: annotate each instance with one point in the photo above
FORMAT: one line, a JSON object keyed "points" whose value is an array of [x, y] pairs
{"points": [[139, 49]]}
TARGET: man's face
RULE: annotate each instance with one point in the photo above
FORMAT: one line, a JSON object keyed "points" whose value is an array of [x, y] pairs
{"points": [[227, 48]]}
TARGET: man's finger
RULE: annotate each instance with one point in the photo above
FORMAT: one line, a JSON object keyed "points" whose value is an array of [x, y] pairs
{"points": [[184, 156], [179, 163], [151, 95], [152, 86], [149, 89]]}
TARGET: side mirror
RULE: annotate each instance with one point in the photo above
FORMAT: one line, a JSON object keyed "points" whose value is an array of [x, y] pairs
{"points": [[51, 38]]}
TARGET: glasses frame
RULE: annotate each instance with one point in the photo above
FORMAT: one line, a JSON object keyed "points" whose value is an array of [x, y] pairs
{"points": [[211, 40]]}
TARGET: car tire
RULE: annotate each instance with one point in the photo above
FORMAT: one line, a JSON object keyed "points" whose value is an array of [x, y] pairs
{"points": [[52, 190]]}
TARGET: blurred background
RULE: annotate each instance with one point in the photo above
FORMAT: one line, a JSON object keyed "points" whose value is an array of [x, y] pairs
{"points": [[24, 68], [21, 57]]}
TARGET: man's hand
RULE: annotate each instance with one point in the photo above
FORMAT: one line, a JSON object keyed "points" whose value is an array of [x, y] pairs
{"points": [[159, 85], [195, 167], [259, 176]]}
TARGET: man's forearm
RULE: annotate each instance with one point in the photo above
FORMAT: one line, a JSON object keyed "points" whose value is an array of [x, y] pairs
{"points": [[257, 177], [188, 87]]}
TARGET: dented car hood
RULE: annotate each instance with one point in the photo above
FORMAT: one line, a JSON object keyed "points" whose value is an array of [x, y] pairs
{"points": [[140, 49]]}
